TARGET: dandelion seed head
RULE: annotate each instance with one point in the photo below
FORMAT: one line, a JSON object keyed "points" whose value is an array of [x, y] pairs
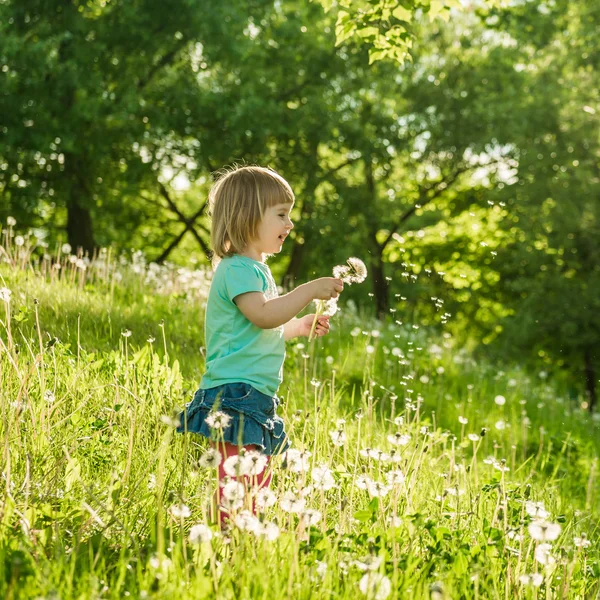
{"points": [[375, 586], [500, 400], [11, 221], [542, 531], [211, 459], [218, 420], [180, 511], [200, 534]]}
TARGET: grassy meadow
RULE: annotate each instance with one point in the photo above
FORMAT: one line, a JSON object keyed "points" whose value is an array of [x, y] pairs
{"points": [[419, 472]]}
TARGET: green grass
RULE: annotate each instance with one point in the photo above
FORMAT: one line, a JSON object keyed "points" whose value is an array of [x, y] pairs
{"points": [[90, 471]]}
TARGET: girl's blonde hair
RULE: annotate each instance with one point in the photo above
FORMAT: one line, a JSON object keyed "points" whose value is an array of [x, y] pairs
{"points": [[237, 202]]}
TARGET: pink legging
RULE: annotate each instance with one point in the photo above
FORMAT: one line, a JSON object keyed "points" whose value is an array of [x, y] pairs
{"points": [[256, 482]]}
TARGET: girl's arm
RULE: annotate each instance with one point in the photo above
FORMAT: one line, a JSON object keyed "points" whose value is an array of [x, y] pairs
{"points": [[268, 314], [291, 329]]}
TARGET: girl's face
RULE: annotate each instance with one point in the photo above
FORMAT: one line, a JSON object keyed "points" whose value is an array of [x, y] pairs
{"points": [[272, 231]]}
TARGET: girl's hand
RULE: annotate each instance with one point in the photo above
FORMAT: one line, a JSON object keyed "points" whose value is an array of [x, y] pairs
{"points": [[305, 324], [326, 288]]}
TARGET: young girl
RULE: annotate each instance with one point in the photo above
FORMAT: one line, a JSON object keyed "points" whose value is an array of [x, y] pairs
{"points": [[247, 323]]}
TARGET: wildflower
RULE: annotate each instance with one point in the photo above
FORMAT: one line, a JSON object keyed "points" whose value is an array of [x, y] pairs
{"points": [[296, 461], [323, 478], [338, 437], [265, 498], [463, 420], [370, 349], [398, 439], [375, 585], [255, 462], [66, 249], [355, 332], [211, 459], [329, 307], [501, 466], [235, 466], [311, 516], [500, 425], [267, 530], [180, 511], [291, 503], [473, 437], [11, 221], [19, 240], [370, 563], [218, 420], [534, 579], [542, 531], [126, 333], [399, 421], [321, 568], [582, 542], [395, 477], [329, 360], [49, 397], [170, 421], [377, 489], [200, 534], [151, 482], [233, 495], [246, 521], [5, 294], [362, 482], [340, 423], [536, 509], [354, 271], [500, 400], [543, 556]]}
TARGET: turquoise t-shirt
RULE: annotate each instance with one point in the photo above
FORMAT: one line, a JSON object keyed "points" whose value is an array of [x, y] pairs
{"points": [[236, 349]]}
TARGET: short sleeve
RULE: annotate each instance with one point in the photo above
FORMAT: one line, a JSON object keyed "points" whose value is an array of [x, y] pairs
{"points": [[240, 279]]}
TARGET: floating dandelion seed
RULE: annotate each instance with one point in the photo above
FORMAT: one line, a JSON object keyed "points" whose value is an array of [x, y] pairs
{"points": [[200, 534]]}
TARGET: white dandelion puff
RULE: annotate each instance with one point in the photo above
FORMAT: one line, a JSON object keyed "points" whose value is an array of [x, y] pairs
{"points": [[200, 534], [323, 478], [543, 556], [246, 521], [265, 498], [180, 511], [291, 503], [542, 531], [211, 459], [375, 586], [233, 495], [218, 420]]}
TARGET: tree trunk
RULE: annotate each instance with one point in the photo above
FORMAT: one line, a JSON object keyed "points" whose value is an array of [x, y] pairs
{"points": [[590, 378], [79, 227]]}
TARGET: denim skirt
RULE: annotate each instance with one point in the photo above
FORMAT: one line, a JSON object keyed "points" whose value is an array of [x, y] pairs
{"points": [[253, 418]]}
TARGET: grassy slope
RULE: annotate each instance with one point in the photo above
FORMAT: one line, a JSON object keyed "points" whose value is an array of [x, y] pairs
{"points": [[90, 476]]}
